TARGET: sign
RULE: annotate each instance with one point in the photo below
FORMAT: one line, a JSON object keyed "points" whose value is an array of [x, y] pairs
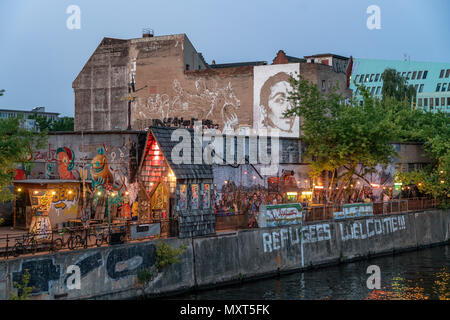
{"points": [[353, 210], [41, 200], [140, 231], [280, 215]]}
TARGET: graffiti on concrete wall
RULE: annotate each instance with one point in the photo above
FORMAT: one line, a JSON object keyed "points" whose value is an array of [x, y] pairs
{"points": [[208, 101], [370, 227], [276, 240], [127, 261], [270, 97], [87, 265], [351, 230], [42, 274]]}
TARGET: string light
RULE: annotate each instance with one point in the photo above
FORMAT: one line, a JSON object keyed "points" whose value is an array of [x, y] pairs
{"points": [[19, 190]]}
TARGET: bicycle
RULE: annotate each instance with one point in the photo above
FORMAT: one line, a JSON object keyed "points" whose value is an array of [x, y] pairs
{"points": [[76, 241], [28, 242]]}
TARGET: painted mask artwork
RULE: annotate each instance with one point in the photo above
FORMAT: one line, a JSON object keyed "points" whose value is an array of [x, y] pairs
{"points": [[100, 169], [66, 162]]}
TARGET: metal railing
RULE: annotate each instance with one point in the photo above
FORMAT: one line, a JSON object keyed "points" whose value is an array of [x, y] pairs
{"points": [[78, 238], [326, 212], [109, 234]]}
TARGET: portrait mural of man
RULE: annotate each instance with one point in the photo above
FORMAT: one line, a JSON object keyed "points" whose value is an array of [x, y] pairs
{"points": [[271, 87]]}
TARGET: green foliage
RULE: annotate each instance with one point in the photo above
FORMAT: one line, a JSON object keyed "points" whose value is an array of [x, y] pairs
{"points": [[24, 291], [63, 124], [15, 147], [339, 135], [144, 276], [433, 129], [166, 255], [48, 125], [395, 86], [2, 91]]}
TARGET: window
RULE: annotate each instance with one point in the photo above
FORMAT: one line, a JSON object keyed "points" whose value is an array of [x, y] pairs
{"points": [[447, 74], [403, 74], [438, 87], [187, 67], [377, 76], [378, 90], [436, 102], [408, 75], [448, 101], [441, 75], [367, 77], [443, 102], [415, 87], [444, 87], [371, 77], [356, 78], [425, 102], [425, 73], [419, 102], [419, 75], [431, 103], [323, 85], [414, 75], [361, 79], [421, 88], [448, 87], [194, 196], [373, 90]]}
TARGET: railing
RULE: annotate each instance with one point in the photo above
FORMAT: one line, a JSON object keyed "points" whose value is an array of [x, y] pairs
{"points": [[104, 234], [78, 238], [326, 212]]}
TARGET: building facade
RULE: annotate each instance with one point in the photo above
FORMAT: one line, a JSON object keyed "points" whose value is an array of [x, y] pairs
{"points": [[431, 80], [165, 78], [26, 122]]}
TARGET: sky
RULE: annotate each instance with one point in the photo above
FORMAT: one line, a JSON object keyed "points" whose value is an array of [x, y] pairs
{"points": [[40, 56]]}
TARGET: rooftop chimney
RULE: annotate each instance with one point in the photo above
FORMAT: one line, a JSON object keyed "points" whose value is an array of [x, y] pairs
{"points": [[147, 33]]}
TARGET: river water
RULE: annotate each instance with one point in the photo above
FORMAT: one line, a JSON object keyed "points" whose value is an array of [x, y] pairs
{"points": [[423, 274]]}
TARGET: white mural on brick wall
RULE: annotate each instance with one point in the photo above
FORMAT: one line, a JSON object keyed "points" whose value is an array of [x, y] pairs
{"points": [[270, 93], [207, 101]]}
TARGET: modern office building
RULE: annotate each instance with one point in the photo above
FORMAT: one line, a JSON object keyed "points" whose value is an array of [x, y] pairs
{"points": [[430, 79], [27, 123]]}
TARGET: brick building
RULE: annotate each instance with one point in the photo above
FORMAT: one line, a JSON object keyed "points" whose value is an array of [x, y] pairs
{"points": [[162, 77]]}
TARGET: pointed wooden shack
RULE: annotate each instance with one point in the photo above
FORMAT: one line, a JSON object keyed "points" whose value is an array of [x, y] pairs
{"points": [[179, 195]]}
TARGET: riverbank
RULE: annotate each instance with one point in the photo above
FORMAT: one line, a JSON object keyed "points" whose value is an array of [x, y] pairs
{"points": [[210, 261]]}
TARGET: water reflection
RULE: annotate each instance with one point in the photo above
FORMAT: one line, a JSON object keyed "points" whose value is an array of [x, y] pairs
{"points": [[418, 275]]}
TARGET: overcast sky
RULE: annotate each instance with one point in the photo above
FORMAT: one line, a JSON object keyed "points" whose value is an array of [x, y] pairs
{"points": [[40, 56]]}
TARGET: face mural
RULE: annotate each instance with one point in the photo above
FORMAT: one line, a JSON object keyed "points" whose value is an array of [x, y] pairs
{"points": [[66, 161], [271, 87], [100, 169]]}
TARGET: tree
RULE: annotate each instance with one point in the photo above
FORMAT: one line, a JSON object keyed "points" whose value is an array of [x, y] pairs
{"points": [[63, 124], [344, 139], [15, 147], [44, 124], [433, 129], [396, 86], [2, 91]]}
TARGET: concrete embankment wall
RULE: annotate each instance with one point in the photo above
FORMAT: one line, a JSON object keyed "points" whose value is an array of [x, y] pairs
{"points": [[111, 272]]}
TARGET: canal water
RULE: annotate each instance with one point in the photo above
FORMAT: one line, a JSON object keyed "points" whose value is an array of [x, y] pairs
{"points": [[423, 274]]}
